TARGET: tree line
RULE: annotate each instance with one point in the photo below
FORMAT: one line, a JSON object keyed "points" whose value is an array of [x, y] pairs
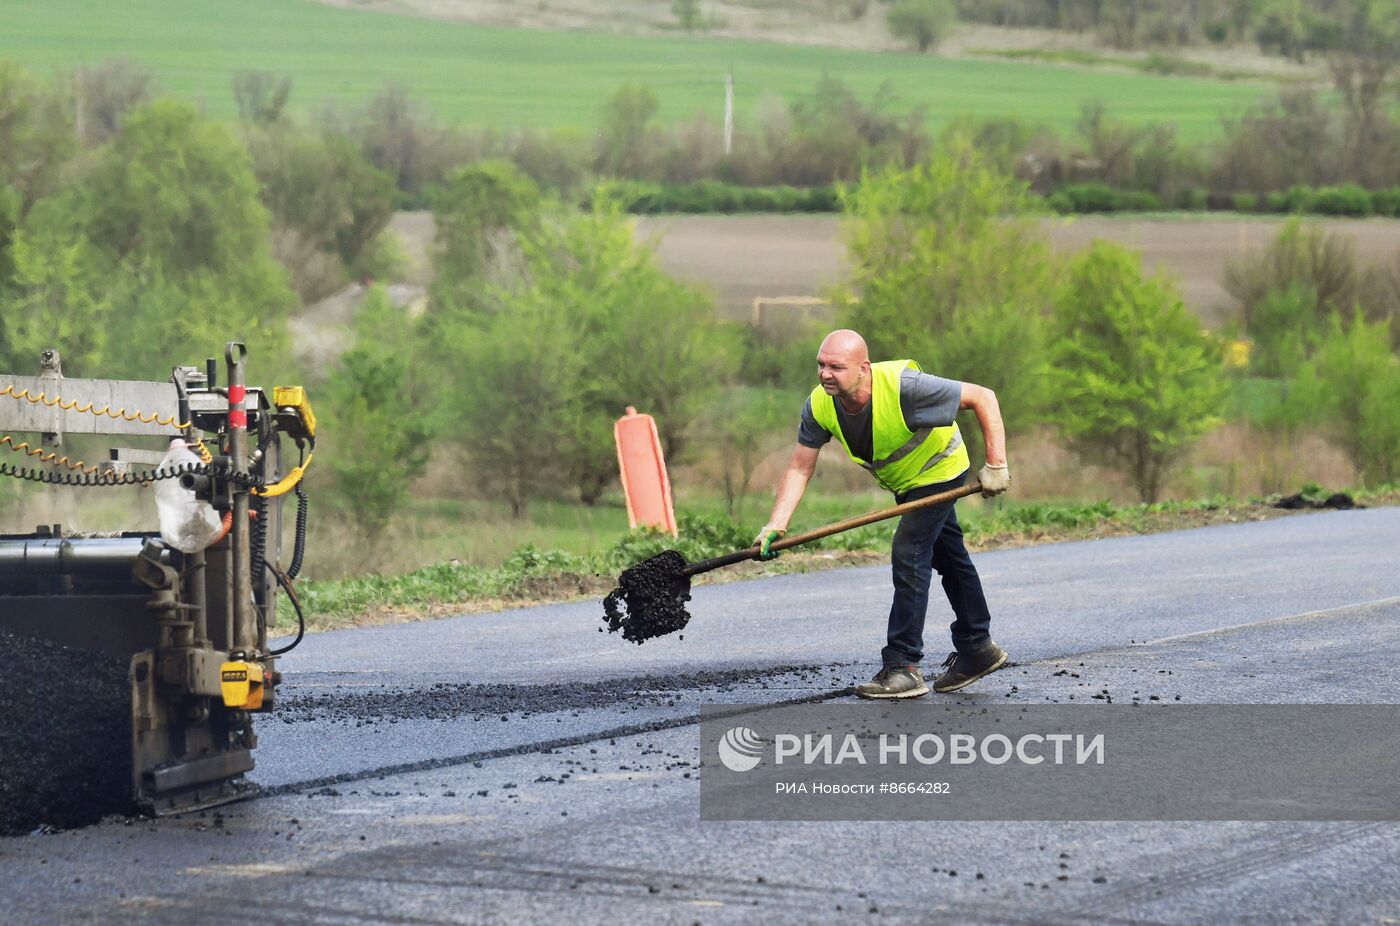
{"points": [[132, 242]]}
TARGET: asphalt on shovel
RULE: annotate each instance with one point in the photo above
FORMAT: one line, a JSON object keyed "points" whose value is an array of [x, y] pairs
{"points": [[650, 597]]}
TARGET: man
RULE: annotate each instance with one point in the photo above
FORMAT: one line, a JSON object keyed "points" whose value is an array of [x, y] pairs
{"points": [[900, 424]]}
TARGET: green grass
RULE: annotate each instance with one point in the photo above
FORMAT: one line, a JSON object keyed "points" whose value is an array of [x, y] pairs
{"points": [[535, 573], [484, 76]]}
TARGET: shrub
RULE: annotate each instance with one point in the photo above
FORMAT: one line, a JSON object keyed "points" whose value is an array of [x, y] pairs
{"points": [[1304, 256], [1135, 380], [1090, 197], [1276, 201], [925, 23], [398, 138], [1175, 66], [261, 96], [625, 134], [1299, 198], [1245, 202], [1380, 295], [106, 93], [1292, 140], [1357, 394], [1348, 199], [1138, 201], [1386, 202], [832, 135], [1099, 197], [325, 199], [555, 160], [1193, 199], [478, 216], [644, 198], [1162, 165], [375, 419], [1284, 326], [947, 269], [1033, 152], [687, 13]]}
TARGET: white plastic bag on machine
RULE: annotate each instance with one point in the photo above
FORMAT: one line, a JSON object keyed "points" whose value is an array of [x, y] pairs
{"points": [[186, 523]]}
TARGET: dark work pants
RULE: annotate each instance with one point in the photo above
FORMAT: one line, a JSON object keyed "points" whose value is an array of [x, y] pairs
{"points": [[926, 540]]}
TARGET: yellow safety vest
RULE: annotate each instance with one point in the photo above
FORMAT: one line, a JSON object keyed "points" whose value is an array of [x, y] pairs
{"points": [[904, 459]]}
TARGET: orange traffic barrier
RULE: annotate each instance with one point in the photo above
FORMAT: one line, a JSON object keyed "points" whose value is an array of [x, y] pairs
{"points": [[645, 483]]}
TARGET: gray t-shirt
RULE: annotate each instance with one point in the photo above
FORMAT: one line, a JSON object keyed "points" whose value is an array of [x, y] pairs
{"points": [[927, 401]]}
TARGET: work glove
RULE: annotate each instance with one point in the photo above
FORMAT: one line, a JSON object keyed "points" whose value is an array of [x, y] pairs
{"points": [[764, 539], [995, 480]]}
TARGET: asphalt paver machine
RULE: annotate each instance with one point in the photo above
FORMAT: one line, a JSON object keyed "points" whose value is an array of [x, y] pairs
{"points": [[191, 626]]}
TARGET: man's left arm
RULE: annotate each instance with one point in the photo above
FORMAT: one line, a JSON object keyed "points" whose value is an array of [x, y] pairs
{"points": [[994, 476]]}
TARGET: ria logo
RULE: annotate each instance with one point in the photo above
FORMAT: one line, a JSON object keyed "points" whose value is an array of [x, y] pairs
{"points": [[740, 749]]}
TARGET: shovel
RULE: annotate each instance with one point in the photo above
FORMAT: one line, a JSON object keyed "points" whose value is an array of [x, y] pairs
{"points": [[650, 597]]}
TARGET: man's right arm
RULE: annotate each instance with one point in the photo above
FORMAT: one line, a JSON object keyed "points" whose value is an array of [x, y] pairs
{"points": [[801, 465]]}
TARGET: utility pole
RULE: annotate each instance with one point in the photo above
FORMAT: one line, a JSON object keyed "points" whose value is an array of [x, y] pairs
{"points": [[728, 113], [78, 104]]}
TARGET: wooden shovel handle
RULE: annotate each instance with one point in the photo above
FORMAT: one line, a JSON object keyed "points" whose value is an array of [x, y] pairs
{"points": [[796, 540]]}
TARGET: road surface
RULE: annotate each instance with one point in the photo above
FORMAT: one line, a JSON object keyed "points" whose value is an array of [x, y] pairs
{"points": [[522, 767]]}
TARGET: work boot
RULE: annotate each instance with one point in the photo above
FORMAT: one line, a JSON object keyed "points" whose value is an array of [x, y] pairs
{"points": [[962, 669], [895, 682]]}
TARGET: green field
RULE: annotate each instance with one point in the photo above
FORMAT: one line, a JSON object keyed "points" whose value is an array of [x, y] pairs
{"points": [[480, 76]]}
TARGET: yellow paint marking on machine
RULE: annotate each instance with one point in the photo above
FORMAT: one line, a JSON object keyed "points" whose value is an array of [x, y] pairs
{"points": [[294, 397], [242, 685]]}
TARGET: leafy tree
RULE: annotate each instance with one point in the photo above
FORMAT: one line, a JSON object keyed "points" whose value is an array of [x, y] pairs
{"points": [[479, 216], [1277, 144], [623, 137], [946, 268], [1135, 381], [1285, 328], [105, 94], [742, 425], [324, 199], [1306, 261], [646, 339], [517, 407], [1355, 380], [574, 322], [1364, 54], [398, 138], [56, 297], [687, 13], [261, 96], [922, 22], [833, 134], [1291, 28], [173, 230], [36, 141], [376, 435]]}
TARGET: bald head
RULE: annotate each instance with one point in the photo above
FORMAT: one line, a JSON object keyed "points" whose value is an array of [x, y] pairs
{"points": [[843, 366], [845, 343]]}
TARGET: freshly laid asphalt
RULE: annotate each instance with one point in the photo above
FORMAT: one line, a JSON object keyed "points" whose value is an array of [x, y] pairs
{"points": [[523, 767]]}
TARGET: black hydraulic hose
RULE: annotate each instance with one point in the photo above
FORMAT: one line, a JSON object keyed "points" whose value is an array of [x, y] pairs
{"points": [[108, 478], [296, 603], [257, 543], [303, 503]]}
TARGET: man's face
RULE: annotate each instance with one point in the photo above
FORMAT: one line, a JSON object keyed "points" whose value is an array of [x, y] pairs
{"points": [[841, 374]]}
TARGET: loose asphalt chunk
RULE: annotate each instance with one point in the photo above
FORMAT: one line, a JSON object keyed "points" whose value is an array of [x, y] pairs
{"points": [[650, 598], [448, 700], [65, 736]]}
